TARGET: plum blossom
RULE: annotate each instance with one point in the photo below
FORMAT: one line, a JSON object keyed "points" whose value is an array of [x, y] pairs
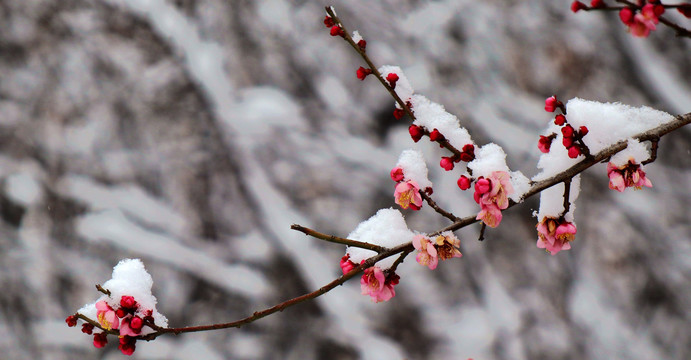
{"points": [[492, 195], [407, 194], [397, 174], [106, 316], [427, 255], [346, 264], [555, 235], [642, 23], [377, 285], [630, 174]]}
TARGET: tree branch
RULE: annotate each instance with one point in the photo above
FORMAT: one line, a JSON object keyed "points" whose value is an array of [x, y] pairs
{"points": [[338, 240]]}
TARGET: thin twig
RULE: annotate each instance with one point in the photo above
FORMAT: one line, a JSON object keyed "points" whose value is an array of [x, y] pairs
{"points": [[101, 289], [438, 209], [482, 232], [338, 240]]}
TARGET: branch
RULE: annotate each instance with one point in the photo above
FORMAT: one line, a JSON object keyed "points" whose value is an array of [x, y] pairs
{"points": [[438, 209], [337, 240]]}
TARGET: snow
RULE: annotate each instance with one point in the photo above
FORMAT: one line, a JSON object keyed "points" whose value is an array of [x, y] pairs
{"points": [[356, 36], [129, 279], [23, 188], [635, 150], [488, 158], [414, 168], [403, 87], [386, 228], [552, 200], [609, 123], [433, 116]]}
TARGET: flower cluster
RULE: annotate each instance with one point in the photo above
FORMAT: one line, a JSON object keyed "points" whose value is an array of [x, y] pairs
{"points": [[492, 194], [378, 284], [640, 24], [128, 317], [555, 235], [444, 246], [630, 174], [571, 138]]}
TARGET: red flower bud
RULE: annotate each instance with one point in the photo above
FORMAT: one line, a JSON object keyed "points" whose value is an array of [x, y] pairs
{"points": [[429, 190], [328, 21], [121, 313], [597, 4], [567, 141], [398, 113], [551, 103], [467, 157], [658, 10], [446, 163], [574, 151], [469, 148], [685, 9], [567, 131], [362, 73], [544, 143], [560, 120], [397, 174], [128, 302], [100, 340], [71, 321], [136, 323], [336, 31], [626, 15], [577, 6], [362, 44], [87, 328], [416, 132], [583, 131], [413, 207], [435, 135], [463, 183], [392, 78]]}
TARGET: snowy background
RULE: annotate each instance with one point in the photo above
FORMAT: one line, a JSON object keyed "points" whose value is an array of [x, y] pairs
{"points": [[192, 133]]}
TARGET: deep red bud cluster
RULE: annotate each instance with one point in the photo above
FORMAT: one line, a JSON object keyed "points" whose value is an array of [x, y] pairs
{"points": [[467, 153], [398, 113], [87, 328], [100, 340], [71, 321], [392, 78], [416, 132], [337, 31], [435, 135], [362, 44], [597, 4], [362, 73], [328, 21], [570, 137], [685, 9], [560, 120], [576, 6], [127, 345]]}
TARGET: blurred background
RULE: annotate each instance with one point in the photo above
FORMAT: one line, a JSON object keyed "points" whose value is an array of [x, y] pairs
{"points": [[192, 133]]}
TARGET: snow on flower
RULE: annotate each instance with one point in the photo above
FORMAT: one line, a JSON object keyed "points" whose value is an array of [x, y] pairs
{"points": [[555, 235], [442, 247], [432, 116], [129, 307], [377, 285], [412, 167], [386, 228], [447, 245], [402, 85], [346, 264]]}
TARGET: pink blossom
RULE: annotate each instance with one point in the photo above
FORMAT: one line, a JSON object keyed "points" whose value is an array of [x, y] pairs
{"points": [[644, 22], [427, 255], [407, 194], [555, 235], [492, 195], [106, 316], [551, 103], [628, 175], [544, 143], [374, 283], [346, 264], [490, 215]]}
